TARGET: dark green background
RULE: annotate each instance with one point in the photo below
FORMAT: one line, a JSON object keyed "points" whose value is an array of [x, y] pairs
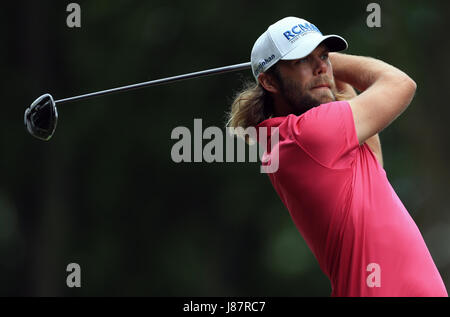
{"points": [[104, 192]]}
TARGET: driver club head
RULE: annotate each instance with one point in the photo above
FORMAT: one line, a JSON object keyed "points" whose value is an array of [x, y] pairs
{"points": [[41, 117]]}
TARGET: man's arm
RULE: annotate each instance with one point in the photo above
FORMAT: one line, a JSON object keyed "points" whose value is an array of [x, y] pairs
{"points": [[386, 92], [347, 92], [375, 145]]}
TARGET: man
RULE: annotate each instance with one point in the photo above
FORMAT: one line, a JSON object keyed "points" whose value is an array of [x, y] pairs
{"points": [[330, 174]]}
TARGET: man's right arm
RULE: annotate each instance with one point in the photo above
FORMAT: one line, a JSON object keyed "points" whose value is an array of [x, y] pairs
{"points": [[386, 91]]}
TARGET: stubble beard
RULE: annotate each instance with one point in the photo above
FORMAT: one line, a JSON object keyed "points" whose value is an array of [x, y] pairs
{"points": [[301, 100]]}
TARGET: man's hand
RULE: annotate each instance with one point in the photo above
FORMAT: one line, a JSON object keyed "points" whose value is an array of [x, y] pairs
{"points": [[344, 90]]}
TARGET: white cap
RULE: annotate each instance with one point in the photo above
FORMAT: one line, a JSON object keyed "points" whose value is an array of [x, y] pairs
{"points": [[290, 38]]}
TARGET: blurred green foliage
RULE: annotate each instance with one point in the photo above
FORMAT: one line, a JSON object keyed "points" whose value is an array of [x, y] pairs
{"points": [[104, 192]]}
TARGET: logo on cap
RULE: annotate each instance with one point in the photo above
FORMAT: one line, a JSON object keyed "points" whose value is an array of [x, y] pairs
{"points": [[263, 63], [299, 30]]}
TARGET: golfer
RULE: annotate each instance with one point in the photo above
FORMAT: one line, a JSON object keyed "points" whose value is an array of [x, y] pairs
{"points": [[330, 175]]}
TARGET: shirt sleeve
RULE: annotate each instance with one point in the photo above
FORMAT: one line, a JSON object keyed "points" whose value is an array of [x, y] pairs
{"points": [[327, 133]]}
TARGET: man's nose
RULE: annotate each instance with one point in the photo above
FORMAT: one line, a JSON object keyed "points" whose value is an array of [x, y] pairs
{"points": [[320, 66]]}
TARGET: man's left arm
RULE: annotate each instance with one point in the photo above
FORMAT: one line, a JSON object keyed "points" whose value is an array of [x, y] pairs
{"points": [[346, 92], [375, 145]]}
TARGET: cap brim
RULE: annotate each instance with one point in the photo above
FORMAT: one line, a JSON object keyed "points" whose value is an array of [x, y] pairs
{"points": [[335, 43]]}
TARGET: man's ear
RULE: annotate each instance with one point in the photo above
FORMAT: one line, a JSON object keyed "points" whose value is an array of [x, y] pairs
{"points": [[268, 83]]}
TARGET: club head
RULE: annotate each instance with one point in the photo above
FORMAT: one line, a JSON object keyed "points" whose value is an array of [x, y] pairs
{"points": [[41, 117]]}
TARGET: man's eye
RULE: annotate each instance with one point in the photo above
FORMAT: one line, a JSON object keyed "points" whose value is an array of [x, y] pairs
{"points": [[300, 61], [325, 57]]}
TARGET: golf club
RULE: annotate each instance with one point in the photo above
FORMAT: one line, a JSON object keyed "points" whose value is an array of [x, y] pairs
{"points": [[41, 116]]}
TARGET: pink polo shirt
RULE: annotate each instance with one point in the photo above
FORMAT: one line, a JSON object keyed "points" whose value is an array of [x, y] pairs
{"points": [[342, 203]]}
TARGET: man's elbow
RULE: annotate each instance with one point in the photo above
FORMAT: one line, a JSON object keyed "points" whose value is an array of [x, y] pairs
{"points": [[407, 89], [400, 79], [412, 86]]}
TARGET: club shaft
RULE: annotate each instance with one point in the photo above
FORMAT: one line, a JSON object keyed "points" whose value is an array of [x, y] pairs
{"points": [[219, 70]]}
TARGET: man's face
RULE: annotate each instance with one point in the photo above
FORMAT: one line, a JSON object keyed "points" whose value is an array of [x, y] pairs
{"points": [[308, 82]]}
